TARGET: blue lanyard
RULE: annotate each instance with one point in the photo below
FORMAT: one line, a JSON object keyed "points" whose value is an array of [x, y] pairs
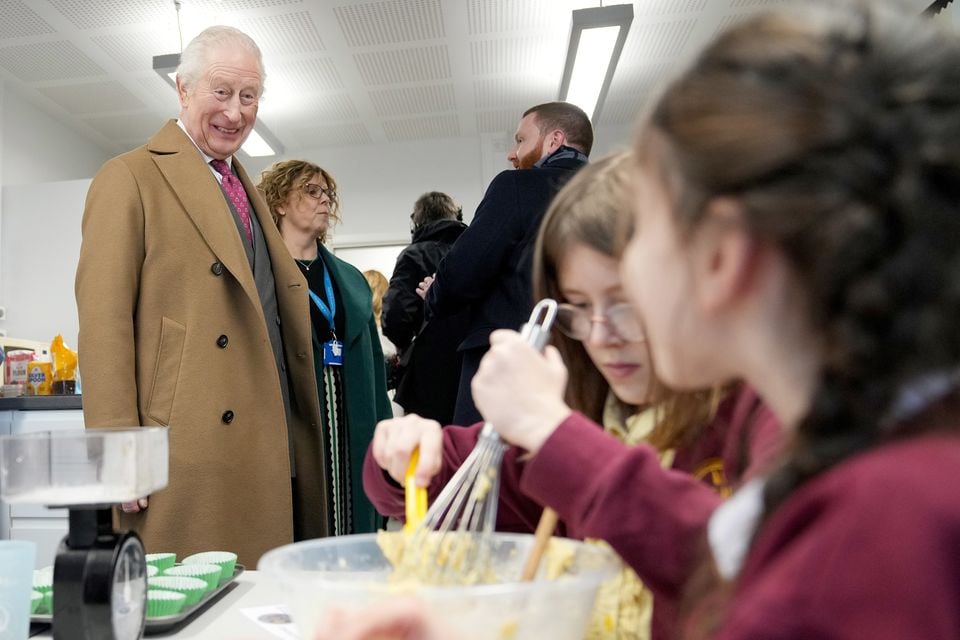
{"points": [[327, 312]]}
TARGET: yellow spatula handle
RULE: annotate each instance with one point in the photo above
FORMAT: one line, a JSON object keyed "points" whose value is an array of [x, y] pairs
{"points": [[415, 497]]}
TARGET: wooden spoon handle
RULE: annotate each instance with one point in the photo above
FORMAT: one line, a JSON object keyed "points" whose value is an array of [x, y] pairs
{"points": [[548, 522]]}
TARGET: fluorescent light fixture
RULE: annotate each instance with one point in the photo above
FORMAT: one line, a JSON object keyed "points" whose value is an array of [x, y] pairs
{"points": [[261, 141], [596, 40]]}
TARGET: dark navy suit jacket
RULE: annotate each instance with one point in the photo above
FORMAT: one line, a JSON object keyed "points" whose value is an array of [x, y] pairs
{"points": [[488, 270]]}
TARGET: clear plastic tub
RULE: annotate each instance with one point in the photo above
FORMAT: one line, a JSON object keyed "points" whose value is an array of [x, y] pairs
{"points": [[351, 572], [91, 467]]}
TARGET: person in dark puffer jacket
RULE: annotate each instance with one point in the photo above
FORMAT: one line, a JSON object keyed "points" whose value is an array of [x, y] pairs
{"points": [[429, 361]]}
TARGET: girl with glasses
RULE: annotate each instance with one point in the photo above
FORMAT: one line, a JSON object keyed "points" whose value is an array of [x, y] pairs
{"points": [[611, 382]]}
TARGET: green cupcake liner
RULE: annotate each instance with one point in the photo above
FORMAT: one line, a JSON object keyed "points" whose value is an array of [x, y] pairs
{"points": [[43, 580], [193, 588], [36, 599], [210, 573], [152, 571], [46, 606], [226, 560], [162, 561], [164, 603]]}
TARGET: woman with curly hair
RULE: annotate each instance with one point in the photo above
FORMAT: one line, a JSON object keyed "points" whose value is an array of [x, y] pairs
{"points": [[351, 383]]}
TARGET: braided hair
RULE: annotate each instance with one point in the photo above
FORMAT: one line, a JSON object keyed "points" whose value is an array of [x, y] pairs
{"points": [[836, 127]]}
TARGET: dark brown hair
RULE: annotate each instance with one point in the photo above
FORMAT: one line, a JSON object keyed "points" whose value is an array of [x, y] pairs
{"points": [[282, 178], [836, 128], [433, 206], [592, 209], [566, 117]]}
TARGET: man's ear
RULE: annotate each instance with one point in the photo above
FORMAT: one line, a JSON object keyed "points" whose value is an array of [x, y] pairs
{"points": [[554, 140], [181, 92], [727, 256]]}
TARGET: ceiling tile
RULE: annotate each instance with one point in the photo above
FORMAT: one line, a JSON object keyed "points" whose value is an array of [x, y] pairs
{"points": [[656, 40], [242, 5], [501, 121], [516, 91], [133, 126], [421, 128], [499, 16], [93, 97], [318, 74], [413, 100], [423, 64], [85, 14], [19, 21], [619, 112], [163, 97], [339, 135], [47, 61], [756, 3], [543, 55], [134, 50], [336, 106], [664, 7], [390, 22], [285, 33], [631, 90]]}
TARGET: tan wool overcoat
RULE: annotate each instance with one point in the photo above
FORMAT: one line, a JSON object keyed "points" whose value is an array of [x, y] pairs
{"points": [[172, 333]]}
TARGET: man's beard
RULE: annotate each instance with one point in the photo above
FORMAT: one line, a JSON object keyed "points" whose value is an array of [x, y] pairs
{"points": [[527, 160]]}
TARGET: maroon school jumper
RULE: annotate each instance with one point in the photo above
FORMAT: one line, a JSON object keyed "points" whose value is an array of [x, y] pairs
{"points": [[656, 524], [870, 549]]}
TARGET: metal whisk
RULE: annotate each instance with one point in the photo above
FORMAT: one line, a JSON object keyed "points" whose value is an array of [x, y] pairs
{"points": [[467, 506]]}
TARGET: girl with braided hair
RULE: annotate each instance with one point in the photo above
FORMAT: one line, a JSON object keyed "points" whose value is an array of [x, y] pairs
{"points": [[797, 197]]}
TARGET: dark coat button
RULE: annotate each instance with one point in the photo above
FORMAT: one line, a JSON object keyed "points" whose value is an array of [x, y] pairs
{"points": [[222, 342], [216, 268], [227, 417]]}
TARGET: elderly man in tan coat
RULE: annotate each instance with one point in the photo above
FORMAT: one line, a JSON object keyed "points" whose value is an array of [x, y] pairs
{"points": [[193, 315]]}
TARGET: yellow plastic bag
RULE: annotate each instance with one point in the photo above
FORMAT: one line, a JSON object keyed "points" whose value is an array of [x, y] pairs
{"points": [[64, 367]]}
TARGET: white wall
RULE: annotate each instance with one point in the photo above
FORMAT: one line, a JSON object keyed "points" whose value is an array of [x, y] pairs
{"points": [[40, 229], [37, 148], [36, 291], [378, 183]]}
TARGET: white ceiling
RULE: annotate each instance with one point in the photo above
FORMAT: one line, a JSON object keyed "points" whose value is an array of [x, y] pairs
{"points": [[340, 72]]}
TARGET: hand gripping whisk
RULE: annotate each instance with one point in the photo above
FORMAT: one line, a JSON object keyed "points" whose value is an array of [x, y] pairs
{"points": [[451, 545]]}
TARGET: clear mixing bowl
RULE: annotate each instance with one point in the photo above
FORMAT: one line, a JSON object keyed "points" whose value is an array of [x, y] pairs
{"points": [[351, 572]]}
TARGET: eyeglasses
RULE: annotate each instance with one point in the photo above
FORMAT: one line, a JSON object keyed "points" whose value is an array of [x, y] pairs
{"points": [[316, 191], [577, 322]]}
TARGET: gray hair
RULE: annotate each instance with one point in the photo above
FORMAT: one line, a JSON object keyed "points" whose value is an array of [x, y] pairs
{"points": [[195, 57]]}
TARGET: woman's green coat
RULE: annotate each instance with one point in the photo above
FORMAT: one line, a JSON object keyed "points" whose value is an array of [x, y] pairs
{"points": [[364, 379]]}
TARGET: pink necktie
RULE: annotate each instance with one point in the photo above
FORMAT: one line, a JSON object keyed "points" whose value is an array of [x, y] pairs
{"points": [[234, 190]]}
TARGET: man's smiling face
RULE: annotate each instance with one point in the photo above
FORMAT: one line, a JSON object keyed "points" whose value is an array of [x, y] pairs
{"points": [[219, 111]]}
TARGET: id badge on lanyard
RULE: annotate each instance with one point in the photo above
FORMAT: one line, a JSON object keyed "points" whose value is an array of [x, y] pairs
{"points": [[333, 348], [333, 352]]}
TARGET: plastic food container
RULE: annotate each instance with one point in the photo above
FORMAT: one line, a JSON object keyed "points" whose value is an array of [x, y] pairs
{"points": [[91, 467], [351, 572]]}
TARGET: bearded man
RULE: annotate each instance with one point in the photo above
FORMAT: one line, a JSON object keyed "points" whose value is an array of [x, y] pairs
{"points": [[488, 270]]}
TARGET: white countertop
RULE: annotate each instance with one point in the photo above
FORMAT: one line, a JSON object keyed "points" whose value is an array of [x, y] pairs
{"points": [[224, 619]]}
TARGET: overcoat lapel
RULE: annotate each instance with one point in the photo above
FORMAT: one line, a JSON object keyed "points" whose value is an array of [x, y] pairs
{"points": [[189, 178]]}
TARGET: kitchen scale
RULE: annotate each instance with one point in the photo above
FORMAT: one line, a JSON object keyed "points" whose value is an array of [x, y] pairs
{"points": [[100, 575]]}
